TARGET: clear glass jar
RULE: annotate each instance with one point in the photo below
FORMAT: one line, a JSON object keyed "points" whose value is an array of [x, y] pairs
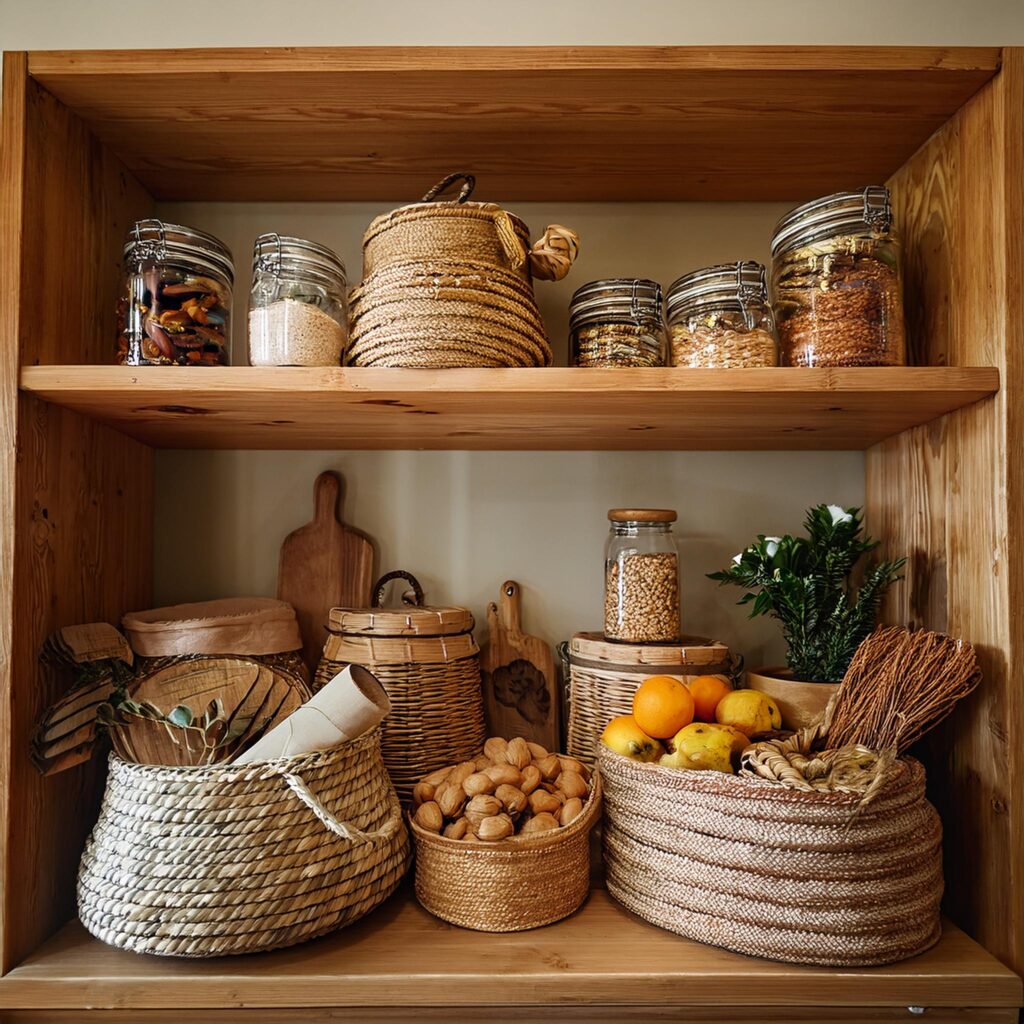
{"points": [[617, 322], [641, 577], [175, 306], [297, 311], [836, 282], [720, 317]]}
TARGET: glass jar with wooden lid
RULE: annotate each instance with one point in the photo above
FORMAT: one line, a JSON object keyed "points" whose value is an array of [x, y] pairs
{"points": [[641, 577]]}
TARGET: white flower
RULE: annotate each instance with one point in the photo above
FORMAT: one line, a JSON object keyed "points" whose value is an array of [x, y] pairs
{"points": [[839, 515], [736, 559], [771, 546]]}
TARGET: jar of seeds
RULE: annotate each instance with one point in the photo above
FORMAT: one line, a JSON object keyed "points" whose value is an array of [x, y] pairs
{"points": [[641, 577], [720, 317], [617, 322], [836, 282], [175, 305], [297, 312]]}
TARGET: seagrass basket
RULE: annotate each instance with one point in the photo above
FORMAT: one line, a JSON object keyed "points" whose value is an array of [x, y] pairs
{"points": [[429, 664], [219, 860], [801, 875], [602, 676], [450, 284], [508, 886]]}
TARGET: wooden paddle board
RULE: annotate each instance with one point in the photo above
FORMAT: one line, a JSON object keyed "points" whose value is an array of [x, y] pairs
{"points": [[324, 564], [520, 681]]}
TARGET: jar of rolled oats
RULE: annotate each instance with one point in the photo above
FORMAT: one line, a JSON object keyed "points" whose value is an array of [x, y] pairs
{"points": [[836, 282], [720, 317], [617, 322]]}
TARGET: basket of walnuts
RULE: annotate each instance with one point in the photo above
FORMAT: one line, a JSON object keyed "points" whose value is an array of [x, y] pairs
{"points": [[502, 841]]}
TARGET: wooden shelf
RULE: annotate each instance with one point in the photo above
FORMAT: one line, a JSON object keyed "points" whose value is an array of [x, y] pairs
{"points": [[534, 123], [535, 409], [400, 956]]}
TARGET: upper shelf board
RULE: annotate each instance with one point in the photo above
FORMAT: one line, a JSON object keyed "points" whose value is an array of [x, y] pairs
{"points": [[535, 409], [533, 123]]}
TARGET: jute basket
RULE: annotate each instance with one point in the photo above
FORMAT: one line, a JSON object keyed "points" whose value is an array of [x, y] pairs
{"points": [[805, 876], [214, 861], [429, 664], [450, 284], [603, 675], [509, 886]]}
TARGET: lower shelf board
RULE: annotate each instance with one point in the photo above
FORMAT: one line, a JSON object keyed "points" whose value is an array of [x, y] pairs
{"points": [[400, 958]]}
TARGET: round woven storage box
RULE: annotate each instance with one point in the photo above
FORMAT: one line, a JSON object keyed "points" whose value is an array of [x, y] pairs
{"points": [[603, 675], [508, 886], [429, 664], [761, 869], [228, 859]]}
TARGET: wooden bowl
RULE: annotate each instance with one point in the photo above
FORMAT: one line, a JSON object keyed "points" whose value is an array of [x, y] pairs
{"points": [[800, 703]]}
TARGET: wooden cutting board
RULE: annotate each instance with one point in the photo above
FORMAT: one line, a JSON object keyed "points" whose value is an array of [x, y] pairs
{"points": [[324, 564], [521, 696]]}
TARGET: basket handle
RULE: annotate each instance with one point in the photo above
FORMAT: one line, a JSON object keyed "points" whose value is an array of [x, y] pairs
{"points": [[398, 574], [469, 183], [340, 828]]}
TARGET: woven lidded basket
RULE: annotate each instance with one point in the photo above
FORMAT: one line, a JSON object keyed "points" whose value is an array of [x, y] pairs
{"points": [[450, 284], [429, 664], [508, 886], [603, 675], [801, 876], [225, 859]]}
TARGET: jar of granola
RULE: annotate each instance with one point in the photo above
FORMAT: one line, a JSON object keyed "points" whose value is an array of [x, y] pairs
{"points": [[617, 322], [720, 317], [641, 577], [175, 306], [836, 282]]}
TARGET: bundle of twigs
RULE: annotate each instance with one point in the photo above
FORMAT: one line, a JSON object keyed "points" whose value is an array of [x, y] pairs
{"points": [[899, 686]]}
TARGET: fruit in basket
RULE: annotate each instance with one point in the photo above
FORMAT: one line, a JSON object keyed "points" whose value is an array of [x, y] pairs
{"points": [[429, 816], [750, 711], [543, 822], [625, 737], [707, 692], [662, 705], [702, 746], [490, 830]]}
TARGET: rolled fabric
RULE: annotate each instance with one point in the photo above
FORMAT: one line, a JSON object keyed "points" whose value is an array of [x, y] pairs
{"points": [[352, 703]]}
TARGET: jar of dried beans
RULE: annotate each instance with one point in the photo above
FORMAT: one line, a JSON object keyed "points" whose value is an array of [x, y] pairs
{"points": [[641, 577], [297, 312], [836, 282], [617, 322], [175, 307], [720, 316]]}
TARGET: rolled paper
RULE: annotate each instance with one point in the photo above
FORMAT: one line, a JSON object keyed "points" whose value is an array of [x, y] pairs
{"points": [[352, 703]]}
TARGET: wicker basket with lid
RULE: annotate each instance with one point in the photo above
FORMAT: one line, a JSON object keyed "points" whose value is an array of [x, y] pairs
{"points": [[429, 663]]}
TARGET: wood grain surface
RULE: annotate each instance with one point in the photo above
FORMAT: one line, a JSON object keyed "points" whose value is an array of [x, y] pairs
{"points": [[323, 565], [541, 409], [78, 498], [520, 681], [401, 957], [534, 123], [950, 494]]}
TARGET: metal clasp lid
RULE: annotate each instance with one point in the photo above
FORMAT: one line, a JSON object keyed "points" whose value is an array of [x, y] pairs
{"points": [[149, 248], [747, 293], [877, 207], [268, 253]]}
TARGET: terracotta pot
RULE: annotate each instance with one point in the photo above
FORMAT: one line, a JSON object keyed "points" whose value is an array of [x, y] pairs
{"points": [[800, 703]]}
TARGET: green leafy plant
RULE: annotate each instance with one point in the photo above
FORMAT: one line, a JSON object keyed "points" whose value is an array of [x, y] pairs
{"points": [[805, 583]]}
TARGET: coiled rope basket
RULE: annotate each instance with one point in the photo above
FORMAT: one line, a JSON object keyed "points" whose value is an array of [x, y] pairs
{"points": [[218, 860]]}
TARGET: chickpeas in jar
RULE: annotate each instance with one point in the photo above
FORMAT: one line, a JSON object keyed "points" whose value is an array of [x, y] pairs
{"points": [[720, 317], [836, 282], [617, 322]]}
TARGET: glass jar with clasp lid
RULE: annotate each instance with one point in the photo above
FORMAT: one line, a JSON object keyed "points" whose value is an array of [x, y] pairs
{"points": [[720, 317], [175, 304], [617, 322], [297, 309]]}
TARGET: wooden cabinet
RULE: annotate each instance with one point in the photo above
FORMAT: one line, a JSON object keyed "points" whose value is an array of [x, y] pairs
{"points": [[92, 140]]}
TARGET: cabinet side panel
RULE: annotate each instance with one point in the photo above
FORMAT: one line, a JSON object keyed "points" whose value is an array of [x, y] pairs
{"points": [[78, 497], [948, 494]]}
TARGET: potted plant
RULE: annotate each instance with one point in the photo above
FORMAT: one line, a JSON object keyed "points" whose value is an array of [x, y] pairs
{"points": [[805, 583]]}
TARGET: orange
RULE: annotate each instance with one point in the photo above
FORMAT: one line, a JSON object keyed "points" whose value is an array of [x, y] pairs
{"points": [[662, 705], [707, 691]]}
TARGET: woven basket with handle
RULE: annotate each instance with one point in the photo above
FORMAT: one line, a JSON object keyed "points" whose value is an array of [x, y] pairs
{"points": [[226, 859], [449, 283]]}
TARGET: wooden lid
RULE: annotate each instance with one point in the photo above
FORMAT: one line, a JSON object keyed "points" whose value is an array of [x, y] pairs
{"points": [[691, 650], [642, 515]]}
